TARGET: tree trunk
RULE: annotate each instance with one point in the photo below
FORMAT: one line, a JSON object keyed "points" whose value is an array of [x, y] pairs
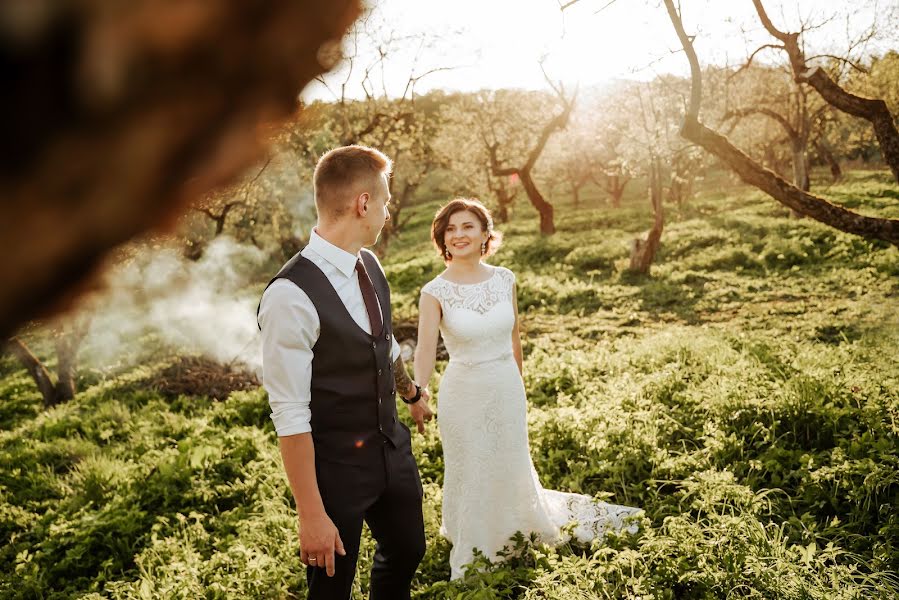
{"points": [[66, 352], [643, 251], [380, 248], [680, 190], [800, 170], [220, 224], [68, 342], [544, 208], [675, 195], [615, 190], [36, 369], [774, 162], [576, 187], [502, 213], [800, 165], [836, 172], [504, 202], [394, 225]]}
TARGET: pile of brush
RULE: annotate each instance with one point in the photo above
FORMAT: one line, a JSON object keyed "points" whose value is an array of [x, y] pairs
{"points": [[201, 376]]}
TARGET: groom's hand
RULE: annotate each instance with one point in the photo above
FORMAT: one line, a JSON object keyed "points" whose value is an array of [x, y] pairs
{"points": [[319, 539], [420, 411]]}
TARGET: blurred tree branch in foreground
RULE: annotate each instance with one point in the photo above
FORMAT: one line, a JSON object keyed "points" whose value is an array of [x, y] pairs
{"points": [[116, 116]]}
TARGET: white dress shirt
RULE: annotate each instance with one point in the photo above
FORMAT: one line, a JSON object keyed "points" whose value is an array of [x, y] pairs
{"points": [[290, 328]]}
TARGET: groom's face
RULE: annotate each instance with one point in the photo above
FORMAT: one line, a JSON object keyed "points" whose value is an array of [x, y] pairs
{"points": [[377, 212]]}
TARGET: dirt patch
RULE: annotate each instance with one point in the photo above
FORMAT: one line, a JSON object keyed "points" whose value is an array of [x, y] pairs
{"points": [[199, 376]]}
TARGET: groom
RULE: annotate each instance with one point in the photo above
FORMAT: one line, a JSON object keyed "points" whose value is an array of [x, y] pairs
{"points": [[332, 368]]}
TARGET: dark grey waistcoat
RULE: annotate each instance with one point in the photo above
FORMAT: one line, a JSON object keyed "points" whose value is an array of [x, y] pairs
{"points": [[353, 391]]}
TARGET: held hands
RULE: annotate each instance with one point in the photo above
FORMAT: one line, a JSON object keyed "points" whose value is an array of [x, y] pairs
{"points": [[319, 540], [420, 411]]}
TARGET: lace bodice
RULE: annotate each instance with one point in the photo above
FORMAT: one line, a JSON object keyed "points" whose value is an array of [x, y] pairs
{"points": [[478, 318]]}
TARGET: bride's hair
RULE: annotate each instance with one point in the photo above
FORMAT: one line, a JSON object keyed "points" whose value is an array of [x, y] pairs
{"points": [[474, 206]]}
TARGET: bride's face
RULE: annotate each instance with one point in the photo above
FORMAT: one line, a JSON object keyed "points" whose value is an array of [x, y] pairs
{"points": [[464, 235]]}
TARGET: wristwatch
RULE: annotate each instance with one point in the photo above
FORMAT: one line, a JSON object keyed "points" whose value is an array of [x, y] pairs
{"points": [[414, 398]]}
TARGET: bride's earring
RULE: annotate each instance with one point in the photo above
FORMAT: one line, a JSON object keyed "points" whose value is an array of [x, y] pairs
{"points": [[483, 248], [446, 253]]}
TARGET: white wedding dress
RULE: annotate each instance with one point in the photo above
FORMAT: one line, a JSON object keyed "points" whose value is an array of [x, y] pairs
{"points": [[490, 487]]}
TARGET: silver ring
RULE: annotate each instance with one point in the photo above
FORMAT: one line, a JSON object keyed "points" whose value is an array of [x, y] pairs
{"points": [[313, 559]]}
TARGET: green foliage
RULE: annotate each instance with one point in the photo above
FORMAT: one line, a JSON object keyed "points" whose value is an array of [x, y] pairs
{"points": [[745, 395]]}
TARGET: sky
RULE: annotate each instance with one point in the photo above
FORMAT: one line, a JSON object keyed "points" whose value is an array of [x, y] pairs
{"points": [[499, 43]]}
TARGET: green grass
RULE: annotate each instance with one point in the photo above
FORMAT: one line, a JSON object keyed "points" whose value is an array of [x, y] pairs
{"points": [[745, 394]]}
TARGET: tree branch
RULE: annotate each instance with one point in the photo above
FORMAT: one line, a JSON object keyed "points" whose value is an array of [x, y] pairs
{"points": [[498, 170], [873, 110], [855, 65], [771, 114], [753, 173], [752, 56]]}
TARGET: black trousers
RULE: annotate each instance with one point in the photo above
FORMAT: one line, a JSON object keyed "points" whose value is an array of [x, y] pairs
{"points": [[387, 496]]}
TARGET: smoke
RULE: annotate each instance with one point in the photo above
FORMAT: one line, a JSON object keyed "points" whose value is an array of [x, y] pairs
{"points": [[157, 301], [158, 298]]}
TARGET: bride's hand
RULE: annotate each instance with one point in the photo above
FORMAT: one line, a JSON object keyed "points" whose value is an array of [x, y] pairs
{"points": [[420, 411]]}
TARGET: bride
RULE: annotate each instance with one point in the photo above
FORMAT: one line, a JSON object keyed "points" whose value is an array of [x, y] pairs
{"points": [[491, 490]]}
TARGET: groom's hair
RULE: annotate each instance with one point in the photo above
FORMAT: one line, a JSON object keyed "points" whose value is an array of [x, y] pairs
{"points": [[343, 173]]}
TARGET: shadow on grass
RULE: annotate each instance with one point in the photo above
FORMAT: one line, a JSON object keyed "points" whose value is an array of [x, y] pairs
{"points": [[663, 297]]}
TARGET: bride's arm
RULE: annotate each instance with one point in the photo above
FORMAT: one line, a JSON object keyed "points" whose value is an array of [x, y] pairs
{"points": [[426, 348], [516, 334]]}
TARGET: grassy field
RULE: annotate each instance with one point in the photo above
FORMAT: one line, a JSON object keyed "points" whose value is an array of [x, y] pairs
{"points": [[746, 395]]}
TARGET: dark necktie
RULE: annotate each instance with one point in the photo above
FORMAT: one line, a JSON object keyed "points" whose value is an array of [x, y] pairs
{"points": [[370, 298]]}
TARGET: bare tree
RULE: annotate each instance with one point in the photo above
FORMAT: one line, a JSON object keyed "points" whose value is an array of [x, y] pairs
{"points": [[525, 171], [571, 160], [504, 192], [67, 341], [613, 169], [686, 167], [415, 158], [795, 121], [824, 126], [366, 112], [613, 178], [575, 171], [643, 250], [753, 173], [874, 110], [218, 204]]}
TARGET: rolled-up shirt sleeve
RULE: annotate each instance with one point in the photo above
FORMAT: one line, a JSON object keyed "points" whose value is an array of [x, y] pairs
{"points": [[394, 350], [290, 327]]}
